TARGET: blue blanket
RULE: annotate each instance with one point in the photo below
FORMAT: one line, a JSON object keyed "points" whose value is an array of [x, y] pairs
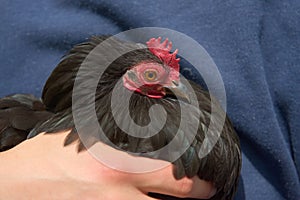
{"points": [[255, 44]]}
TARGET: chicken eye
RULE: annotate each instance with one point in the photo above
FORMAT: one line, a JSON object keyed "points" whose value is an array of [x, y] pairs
{"points": [[150, 75]]}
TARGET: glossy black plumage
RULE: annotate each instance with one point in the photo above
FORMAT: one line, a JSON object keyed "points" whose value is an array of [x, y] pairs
{"points": [[19, 114], [221, 166]]}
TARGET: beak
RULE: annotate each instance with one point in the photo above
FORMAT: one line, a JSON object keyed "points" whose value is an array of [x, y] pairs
{"points": [[178, 90]]}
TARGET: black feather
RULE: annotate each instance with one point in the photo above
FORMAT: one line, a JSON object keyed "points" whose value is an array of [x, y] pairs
{"points": [[19, 114]]}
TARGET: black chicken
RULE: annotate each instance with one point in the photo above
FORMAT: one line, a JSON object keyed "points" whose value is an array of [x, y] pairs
{"points": [[152, 72]]}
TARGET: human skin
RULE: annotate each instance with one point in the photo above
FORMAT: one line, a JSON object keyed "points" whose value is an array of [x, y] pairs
{"points": [[42, 168]]}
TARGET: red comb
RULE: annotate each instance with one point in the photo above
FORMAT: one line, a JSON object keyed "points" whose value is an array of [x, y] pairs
{"points": [[162, 51]]}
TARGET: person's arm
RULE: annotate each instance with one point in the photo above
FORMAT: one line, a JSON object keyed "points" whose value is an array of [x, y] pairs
{"points": [[41, 168]]}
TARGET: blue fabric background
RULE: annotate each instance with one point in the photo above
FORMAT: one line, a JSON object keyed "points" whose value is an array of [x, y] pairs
{"points": [[255, 44]]}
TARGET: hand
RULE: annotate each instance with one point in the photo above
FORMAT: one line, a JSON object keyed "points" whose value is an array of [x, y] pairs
{"points": [[73, 189], [114, 186], [64, 174]]}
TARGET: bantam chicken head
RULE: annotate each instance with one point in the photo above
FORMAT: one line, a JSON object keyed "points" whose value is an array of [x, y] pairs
{"points": [[157, 80]]}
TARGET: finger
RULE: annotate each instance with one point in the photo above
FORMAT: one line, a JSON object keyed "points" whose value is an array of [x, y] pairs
{"points": [[164, 182], [157, 181]]}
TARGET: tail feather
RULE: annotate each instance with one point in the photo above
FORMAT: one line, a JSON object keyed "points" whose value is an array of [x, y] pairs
{"points": [[19, 114]]}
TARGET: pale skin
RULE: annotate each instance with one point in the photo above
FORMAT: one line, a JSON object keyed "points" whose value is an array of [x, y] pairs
{"points": [[42, 168]]}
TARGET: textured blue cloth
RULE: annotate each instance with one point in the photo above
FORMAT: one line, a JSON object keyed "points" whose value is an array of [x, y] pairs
{"points": [[255, 44]]}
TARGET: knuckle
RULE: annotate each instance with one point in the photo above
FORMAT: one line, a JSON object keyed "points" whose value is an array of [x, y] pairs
{"points": [[185, 187]]}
